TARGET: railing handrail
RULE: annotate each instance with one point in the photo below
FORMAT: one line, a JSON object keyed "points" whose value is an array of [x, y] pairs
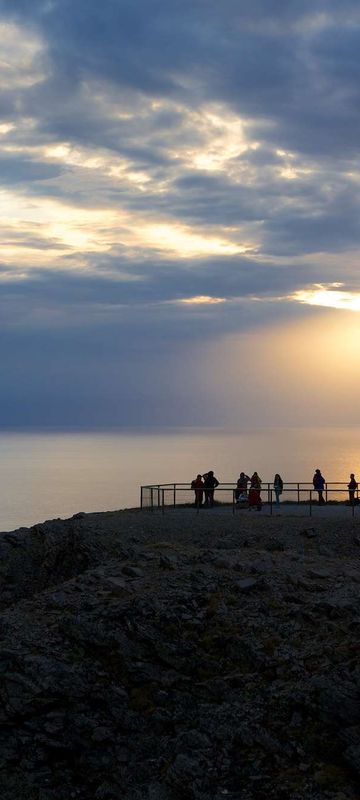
{"points": [[234, 484], [159, 492], [223, 488]]}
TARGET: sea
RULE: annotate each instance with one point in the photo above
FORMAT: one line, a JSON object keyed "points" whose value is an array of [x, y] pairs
{"points": [[51, 474]]}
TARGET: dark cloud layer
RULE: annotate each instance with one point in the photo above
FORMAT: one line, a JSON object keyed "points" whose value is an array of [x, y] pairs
{"points": [[276, 60]]}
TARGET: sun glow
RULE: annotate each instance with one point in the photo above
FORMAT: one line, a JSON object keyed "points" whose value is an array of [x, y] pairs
{"points": [[329, 298], [298, 372]]}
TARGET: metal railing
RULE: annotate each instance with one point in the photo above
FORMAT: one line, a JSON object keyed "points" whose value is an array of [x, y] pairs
{"points": [[164, 495]]}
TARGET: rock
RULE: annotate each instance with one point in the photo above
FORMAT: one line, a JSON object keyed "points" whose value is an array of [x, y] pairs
{"points": [[223, 563], [168, 561], [260, 566], [115, 583], [156, 791], [248, 584], [351, 738], [183, 772], [132, 572], [226, 544], [337, 702], [217, 674], [310, 533], [275, 545], [353, 574], [193, 740], [320, 573]]}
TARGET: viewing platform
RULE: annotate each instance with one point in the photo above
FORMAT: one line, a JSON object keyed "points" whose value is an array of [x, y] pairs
{"points": [[299, 498]]}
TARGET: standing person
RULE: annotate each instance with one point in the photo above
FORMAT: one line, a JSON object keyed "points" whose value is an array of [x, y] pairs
{"points": [[241, 485], [210, 484], [254, 493], [352, 486], [278, 487], [319, 485], [198, 486]]}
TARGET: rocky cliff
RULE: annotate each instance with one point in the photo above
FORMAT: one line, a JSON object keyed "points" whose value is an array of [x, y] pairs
{"points": [[179, 658]]}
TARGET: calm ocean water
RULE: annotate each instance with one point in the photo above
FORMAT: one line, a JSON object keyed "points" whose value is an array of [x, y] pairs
{"points": [[48, 475]]}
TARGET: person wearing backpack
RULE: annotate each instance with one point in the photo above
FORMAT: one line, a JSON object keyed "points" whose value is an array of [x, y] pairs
{"points": [[241, 485], [319, 485]]}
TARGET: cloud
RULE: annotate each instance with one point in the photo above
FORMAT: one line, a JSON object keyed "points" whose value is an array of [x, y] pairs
{"points": [[329, 297], [202, 299], [172, 173]]}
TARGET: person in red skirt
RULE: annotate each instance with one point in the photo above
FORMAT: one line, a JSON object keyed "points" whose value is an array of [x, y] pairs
{"points": [[254, 493]]}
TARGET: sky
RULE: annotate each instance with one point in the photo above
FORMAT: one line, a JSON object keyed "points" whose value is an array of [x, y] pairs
{"points": [[180, 213]]}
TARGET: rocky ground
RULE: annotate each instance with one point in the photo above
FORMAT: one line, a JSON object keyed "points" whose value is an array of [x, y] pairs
{"points": [[179, 657]]}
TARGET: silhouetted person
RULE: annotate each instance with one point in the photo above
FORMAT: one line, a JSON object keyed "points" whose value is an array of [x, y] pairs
{"points": [[210, 484], [352, 486], [319, 485], [278, 487], [241, 485], [198, 486], [254, 493]]}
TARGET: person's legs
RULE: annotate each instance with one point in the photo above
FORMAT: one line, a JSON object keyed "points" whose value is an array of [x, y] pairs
{"points": [[277, 496]]}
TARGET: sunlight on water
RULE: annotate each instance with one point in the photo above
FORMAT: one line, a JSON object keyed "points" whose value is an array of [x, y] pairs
{"points": [[44, 476]]}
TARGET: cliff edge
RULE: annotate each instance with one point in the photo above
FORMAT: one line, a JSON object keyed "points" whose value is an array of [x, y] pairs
{"points": [[180, 657]]}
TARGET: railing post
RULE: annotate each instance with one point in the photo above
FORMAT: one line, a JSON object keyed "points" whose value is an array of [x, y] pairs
{"points": [[271, 502], [174, 495], [310, 504], [326, 493], [298, 493], [152, 499], [141, 496], [233, 501], [162, 501]]}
